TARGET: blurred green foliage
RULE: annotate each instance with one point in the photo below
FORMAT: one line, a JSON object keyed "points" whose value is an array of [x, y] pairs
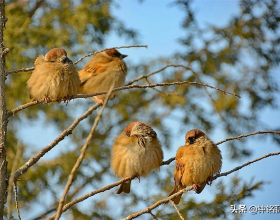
{"points": [[221, 59]]}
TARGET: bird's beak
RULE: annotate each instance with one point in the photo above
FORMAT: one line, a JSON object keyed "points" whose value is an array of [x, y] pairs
{"points": [[124, 56], [64, 59]]}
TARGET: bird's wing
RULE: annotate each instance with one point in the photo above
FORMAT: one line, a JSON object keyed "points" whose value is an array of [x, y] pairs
{"points": [[179, 167], [93, 67]]}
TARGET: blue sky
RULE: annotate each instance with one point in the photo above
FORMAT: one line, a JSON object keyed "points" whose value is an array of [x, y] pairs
{"points": [[159, 25]]}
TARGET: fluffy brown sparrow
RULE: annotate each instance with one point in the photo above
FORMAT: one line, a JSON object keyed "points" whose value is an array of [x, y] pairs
{"points": [[105, 69], [136, 152], [54, 77], [196, 163]]}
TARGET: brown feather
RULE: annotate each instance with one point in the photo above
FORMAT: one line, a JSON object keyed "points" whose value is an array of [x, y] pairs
{"points": [[130, 158], [53, 79], [101, 72], [197, 161]]}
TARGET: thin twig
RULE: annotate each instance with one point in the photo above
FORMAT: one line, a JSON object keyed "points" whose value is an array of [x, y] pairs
{"points": [[42, 152], [210, 96], [167, 162], [157, 71], [158, 203], [81, 156], [11, 178], [21, 107], [153, 215], [246, 135], [90, 54], [175, 207], [163, 201], [20, 70], [75, 201], [24, 106], [16, 199], [246, 164], [80, 59], [155, 85], [161, 92]]}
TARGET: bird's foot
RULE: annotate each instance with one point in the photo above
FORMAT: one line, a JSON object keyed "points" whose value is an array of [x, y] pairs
{"points": [[46, 100], [67, 99], [138, 177], [195, 187], [99, 100], [209, 180]]}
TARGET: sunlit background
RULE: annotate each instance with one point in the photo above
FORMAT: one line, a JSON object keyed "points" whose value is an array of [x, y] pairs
{"points": [[159, 25]]}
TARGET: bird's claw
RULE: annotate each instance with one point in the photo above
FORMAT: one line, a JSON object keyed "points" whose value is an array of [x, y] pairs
{"points": [[99, 100], [137, 176], [209, 180], [67, 99], [195, 186], [46, 100]]}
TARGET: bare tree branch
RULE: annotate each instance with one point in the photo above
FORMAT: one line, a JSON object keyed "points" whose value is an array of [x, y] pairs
{"points": [[210, 96], [157, 71], [158, 84], [20, 70], [82, 156], [153, 215], [16, 199], [175, 207], [246, 135], [90, 54], [11, 178], [34, 9], [46, 149], [163, 201], [75, 201], [43, 215], [24, 106], [246, 164], [80, 59], [167, 162], [21, 107]]}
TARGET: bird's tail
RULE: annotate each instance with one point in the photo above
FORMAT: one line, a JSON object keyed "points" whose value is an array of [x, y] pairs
{"points": [[176, 199], [124, 187], [200, 187]]}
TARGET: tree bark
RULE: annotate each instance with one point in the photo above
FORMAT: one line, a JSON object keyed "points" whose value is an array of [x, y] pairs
{"points": [[3, 115]]}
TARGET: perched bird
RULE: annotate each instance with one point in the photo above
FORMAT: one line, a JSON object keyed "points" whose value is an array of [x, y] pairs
{"points": [[196, 163], [105, 69], [54, 77], [136, 152]]}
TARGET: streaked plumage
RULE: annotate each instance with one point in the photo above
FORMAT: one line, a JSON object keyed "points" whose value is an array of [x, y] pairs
{"points": [[196, 163], [136, 152], [54, 78], [101, 72]]}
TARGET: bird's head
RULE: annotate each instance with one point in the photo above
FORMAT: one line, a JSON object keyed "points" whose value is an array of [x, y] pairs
{"points": [[114, 53], [140, 129], [193, 135], [57, 55]]}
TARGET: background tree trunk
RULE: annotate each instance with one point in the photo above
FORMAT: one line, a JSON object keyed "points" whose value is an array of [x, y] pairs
{"points": [[3, 115]]}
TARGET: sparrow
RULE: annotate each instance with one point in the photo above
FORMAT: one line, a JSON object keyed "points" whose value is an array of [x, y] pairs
{"points": [[54, 77], [105, 69], [135, 153], [196, 163]]}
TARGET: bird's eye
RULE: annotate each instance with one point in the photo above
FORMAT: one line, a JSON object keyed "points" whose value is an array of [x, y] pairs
{"points": [[55, 58], [127, 134], [191, 139]]}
